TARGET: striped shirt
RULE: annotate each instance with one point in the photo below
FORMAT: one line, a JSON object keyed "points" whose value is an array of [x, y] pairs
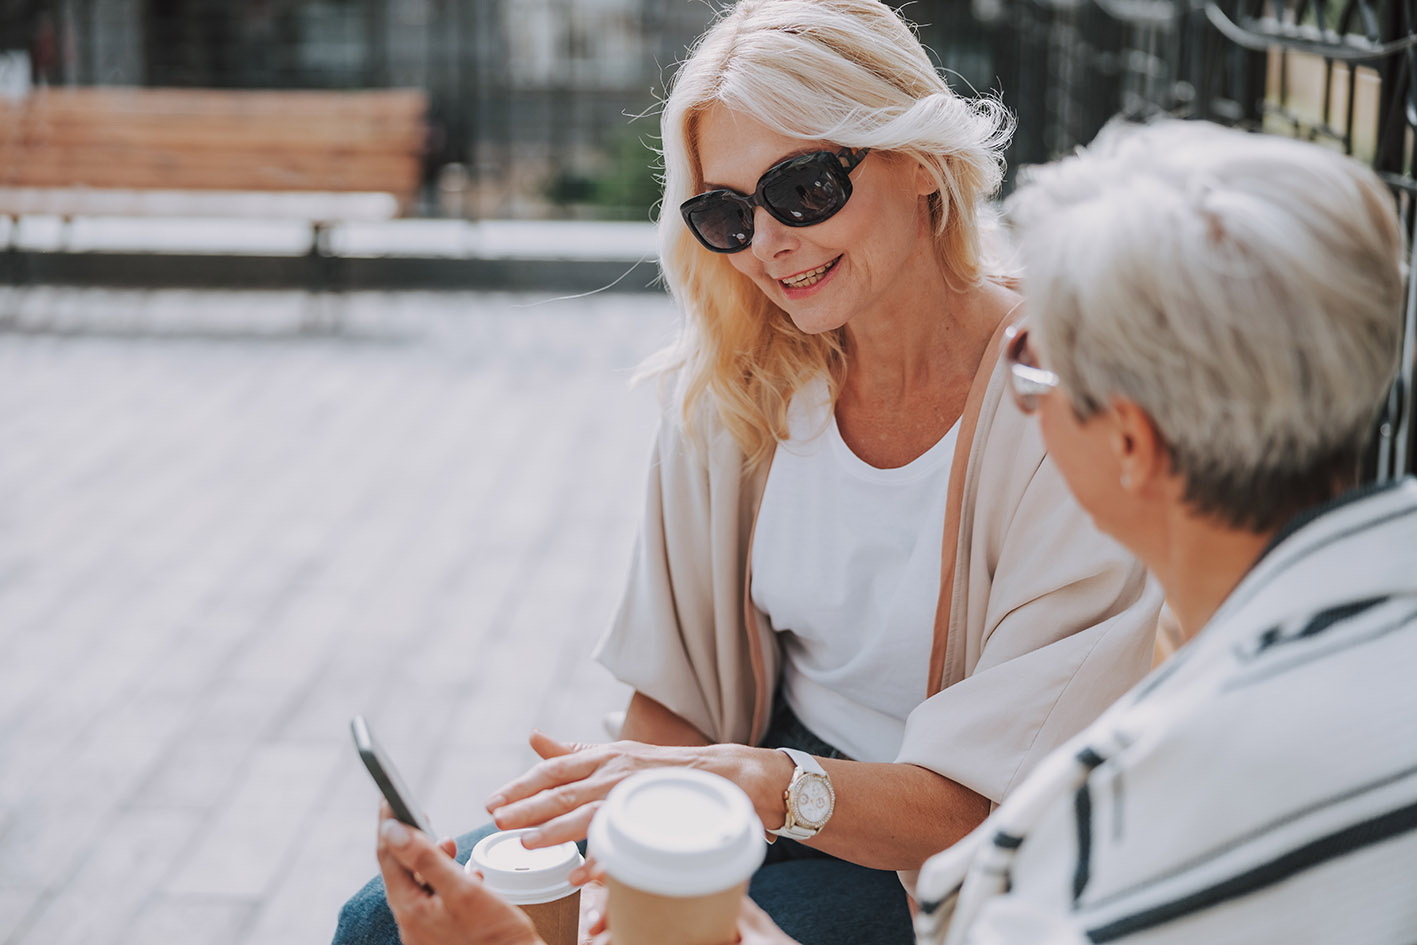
{"points": [[1260, 786]]}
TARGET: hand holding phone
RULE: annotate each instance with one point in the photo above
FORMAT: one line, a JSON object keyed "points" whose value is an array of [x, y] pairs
{"points": [[387, 777]]}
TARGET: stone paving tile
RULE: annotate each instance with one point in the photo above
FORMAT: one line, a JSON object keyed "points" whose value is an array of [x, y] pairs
{"points": [[167, 920], [119, 868], [241, 851], [15, 904], [223, 537]]}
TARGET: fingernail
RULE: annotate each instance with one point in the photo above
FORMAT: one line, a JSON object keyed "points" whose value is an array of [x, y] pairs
{"points": [[531, 837], [496, 801], [395, 833]]}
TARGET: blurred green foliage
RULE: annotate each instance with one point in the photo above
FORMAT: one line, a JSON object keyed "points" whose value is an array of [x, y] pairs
{"points": [[624, 187]]}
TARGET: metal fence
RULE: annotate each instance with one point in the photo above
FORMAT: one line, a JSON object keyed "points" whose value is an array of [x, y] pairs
{"points": [[1339, 73]]}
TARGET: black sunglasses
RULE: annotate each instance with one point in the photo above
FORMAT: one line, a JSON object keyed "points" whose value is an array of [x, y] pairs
{"points": [[799, 191]]}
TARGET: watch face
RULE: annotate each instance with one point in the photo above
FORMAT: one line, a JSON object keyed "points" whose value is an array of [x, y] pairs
{"points": [[812, 801]]}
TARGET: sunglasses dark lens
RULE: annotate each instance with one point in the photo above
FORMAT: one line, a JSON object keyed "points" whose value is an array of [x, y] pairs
{"points": [[805, 190], [798, 192], [722, 222]]}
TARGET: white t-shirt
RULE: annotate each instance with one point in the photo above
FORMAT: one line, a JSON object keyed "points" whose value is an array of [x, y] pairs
{"points": [[846, 564]]}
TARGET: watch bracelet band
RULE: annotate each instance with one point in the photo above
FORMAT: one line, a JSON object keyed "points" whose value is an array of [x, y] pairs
{"points": [[802, 762]]}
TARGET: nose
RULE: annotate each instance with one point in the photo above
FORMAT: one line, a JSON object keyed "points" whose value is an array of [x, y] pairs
{"points": [[770, 238]]}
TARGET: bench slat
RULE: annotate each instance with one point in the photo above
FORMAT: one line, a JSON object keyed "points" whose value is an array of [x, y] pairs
{"points": [[121, 100], [215, 136], [232, 171], [210, 204], [204, 139]]}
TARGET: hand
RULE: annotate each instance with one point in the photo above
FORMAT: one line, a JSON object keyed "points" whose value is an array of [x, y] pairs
{"points": [[561, 794], [592, 922], [591, 880], [755, 928], [434, 901]]}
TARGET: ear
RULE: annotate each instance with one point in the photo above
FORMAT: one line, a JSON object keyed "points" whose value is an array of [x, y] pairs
{"points": [[1137, 446], [924, 181]]}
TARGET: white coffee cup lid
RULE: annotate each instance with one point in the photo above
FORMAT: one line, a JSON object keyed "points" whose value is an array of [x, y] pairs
{"points": [[677, 832], [523, 876]]}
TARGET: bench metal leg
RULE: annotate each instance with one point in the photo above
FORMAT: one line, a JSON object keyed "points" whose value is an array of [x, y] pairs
{"points": [[325, 311], [14, 273]]}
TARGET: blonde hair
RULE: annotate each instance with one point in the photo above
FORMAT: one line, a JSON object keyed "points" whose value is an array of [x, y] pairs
{"points": [[1244, 289], [850, 73]]}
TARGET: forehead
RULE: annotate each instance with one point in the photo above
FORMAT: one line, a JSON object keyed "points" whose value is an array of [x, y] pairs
{"points": [[735, 148]]}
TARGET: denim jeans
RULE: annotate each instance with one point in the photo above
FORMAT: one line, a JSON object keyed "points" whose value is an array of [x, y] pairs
{"points": [[812, 896]]}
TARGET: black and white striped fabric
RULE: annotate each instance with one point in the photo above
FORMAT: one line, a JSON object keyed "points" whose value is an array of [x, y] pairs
{"points": [[1260, 786]]}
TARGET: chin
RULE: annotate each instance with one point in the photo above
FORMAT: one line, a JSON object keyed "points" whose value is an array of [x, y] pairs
{"points": [[813, 328], [811, 321]]}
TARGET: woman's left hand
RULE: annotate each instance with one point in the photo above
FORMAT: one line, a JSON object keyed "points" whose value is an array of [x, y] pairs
{"points": [[561, 794]]}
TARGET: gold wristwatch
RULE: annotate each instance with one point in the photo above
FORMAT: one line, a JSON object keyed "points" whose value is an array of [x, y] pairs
{"points": [[810, 798]]}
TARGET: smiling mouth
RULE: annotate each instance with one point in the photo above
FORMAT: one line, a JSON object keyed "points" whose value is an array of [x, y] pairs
{"points": [[811, 277]]}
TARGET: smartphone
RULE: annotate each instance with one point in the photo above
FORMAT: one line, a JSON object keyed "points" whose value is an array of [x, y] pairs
{"points": [[387, 777]]}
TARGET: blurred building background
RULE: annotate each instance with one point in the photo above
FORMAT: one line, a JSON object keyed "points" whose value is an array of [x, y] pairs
{"points": [[531, 101], [545, 109]]}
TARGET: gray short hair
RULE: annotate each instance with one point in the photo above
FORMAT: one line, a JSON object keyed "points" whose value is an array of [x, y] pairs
{"points": [[1243, 289]]}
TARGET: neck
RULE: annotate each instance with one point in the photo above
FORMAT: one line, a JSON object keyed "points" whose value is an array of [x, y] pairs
{"points": [[920, 339], [1199, 562]]}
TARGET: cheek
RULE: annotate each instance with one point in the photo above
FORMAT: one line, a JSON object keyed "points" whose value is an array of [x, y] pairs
{"points": [[748, 265], [1078, 453], [867, 222]]}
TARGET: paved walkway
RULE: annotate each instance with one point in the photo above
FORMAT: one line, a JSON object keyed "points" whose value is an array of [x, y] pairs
{"points": [[220, 538]]}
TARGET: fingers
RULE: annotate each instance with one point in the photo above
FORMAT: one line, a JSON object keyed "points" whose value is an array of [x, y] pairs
{"points": [[547, 811], [593, 921], [750, 912], [404, 893], [572, 827], [553, 772], [755, 927], [589, 872], [414, 852], [597, 923], [548, 747]]}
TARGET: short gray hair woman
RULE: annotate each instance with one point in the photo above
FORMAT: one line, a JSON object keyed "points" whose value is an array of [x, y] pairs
{"points": [[1240, 289], [1215, 320]]}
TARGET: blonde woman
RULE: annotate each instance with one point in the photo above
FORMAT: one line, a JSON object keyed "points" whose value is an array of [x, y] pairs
{"points": [[855, 548]]}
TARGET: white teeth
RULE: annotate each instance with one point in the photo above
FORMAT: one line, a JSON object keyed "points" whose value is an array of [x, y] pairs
{"points": [[805, 279]]}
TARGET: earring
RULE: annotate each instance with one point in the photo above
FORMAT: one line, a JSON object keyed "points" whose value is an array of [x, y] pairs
{"points": [[1126, 481]]}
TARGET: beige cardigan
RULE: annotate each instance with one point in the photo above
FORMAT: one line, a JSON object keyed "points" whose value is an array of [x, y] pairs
{"points": [[1042, 620]]}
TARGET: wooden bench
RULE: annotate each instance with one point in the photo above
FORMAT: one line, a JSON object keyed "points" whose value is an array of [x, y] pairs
{"points": [[319, 156]]}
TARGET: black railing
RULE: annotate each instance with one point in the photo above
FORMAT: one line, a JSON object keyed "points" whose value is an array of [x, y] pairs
{"points": [[1336, 73]]}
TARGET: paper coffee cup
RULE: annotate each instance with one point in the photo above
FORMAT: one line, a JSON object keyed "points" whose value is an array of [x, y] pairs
{"points": [[535, 880], [678, 847]]}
